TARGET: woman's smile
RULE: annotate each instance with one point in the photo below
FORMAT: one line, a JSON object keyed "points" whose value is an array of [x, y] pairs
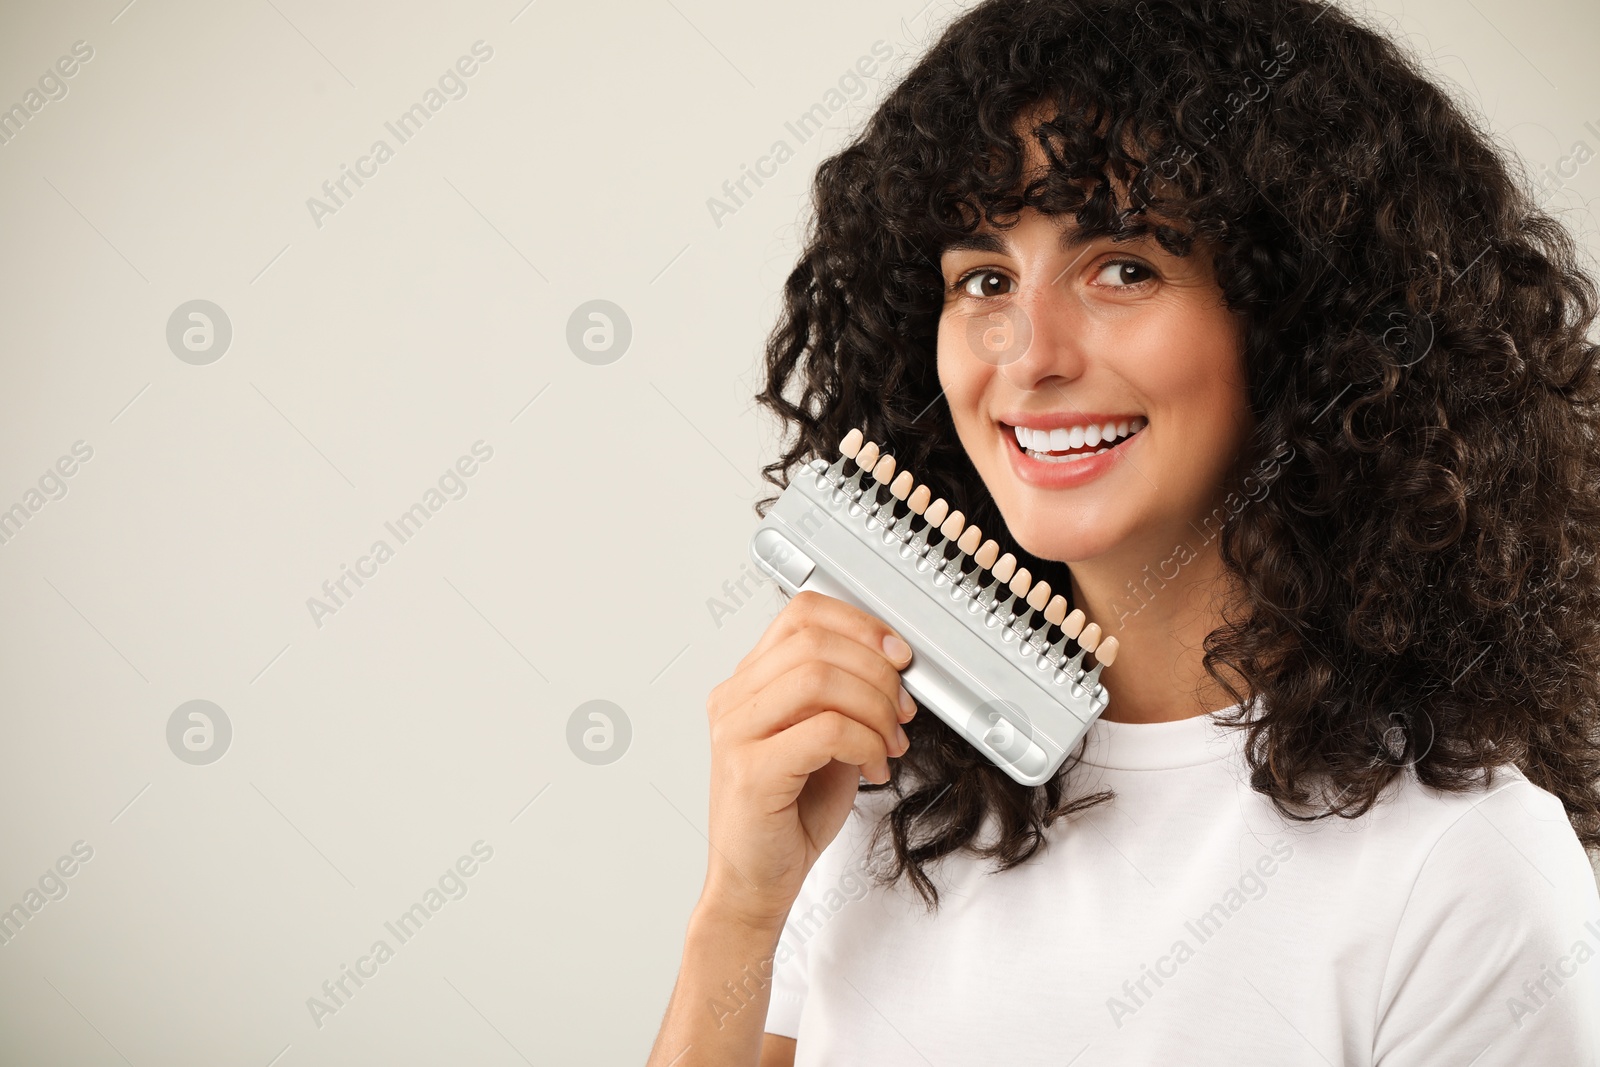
{"points": [[1064, 450]]}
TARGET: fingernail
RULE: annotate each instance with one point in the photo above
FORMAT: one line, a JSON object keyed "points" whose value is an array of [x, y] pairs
{"points": [[897, 650], [908, 707], [900, 736]]}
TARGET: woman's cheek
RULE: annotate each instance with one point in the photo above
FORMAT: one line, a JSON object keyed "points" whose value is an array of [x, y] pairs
{"points": [[960, 376]]}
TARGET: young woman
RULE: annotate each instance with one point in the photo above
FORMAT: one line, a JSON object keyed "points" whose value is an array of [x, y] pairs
{"points": [[1342, 514]]}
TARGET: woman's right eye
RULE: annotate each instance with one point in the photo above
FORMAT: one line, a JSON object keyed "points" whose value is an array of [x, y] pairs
{"points": [[986, 277]]}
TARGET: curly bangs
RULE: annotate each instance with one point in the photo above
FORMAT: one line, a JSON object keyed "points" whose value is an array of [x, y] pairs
{"points": [[1420, 589]]}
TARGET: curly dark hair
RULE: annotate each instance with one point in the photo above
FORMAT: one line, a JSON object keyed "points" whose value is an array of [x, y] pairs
{"points": [[1420, 585]]}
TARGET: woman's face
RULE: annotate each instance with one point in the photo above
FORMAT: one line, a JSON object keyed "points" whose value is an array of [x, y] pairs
{"points": [[1057, 338]]}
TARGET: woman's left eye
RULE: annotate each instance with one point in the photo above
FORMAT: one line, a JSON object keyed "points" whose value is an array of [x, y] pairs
{"points": [[1120, 267]]}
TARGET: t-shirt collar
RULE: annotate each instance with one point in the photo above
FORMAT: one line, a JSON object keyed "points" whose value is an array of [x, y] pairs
{"points": [[1150, 746]]}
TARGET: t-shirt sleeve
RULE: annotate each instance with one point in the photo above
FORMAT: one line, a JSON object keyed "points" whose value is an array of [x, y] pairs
{"points": [[1496, 957]]}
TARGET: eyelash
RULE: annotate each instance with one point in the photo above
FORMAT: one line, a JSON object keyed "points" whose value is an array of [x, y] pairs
{"points": [[961, 282]]}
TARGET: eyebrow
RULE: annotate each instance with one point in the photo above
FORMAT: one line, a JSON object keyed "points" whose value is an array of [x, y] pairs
{"points": [[1072, 238]]}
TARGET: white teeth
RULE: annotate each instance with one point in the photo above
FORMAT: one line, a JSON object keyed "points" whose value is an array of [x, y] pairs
{"points": [[1061, 439]]}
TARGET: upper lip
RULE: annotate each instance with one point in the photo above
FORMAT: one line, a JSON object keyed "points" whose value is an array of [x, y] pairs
{"points": [[1066, 420]]}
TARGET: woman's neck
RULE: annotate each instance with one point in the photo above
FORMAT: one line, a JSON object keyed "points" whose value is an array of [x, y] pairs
{"points": [[1160, 618]]}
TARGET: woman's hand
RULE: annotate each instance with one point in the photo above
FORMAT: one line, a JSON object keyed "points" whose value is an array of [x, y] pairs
{"points": [[816, 704]]}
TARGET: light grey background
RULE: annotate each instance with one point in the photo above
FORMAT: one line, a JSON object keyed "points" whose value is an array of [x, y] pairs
{"points": [[368, 353]]}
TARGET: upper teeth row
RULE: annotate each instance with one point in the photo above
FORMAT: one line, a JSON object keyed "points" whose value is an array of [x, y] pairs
{"points": [[1077, 436]]}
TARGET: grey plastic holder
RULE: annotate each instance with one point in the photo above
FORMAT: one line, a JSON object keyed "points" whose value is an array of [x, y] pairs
{"points": [[1017, 706]]}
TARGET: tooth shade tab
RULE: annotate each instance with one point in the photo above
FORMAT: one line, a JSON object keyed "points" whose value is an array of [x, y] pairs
{"points": [[952, 526], [1020, 582], [1039, 596], [1073, 626], [985, 556], [1005, 567], [884, 470], [1090, 638], [918, 500], [1056, 610], [970, 539], [1106, 654], [850, 447], [936, 512], [868, 455], [901, 486]]}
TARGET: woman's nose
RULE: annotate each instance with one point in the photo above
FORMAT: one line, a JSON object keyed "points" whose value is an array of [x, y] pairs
{"points": [[1038, 337]]}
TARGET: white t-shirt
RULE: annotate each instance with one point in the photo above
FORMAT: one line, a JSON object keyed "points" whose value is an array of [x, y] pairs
{"points": [[1186, 922]]}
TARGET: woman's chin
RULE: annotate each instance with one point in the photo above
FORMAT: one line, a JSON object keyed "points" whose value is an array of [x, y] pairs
{"points": [[1061, 546]]}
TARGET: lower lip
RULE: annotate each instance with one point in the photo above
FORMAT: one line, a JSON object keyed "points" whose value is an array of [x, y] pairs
{"points": [[1067, 475]]}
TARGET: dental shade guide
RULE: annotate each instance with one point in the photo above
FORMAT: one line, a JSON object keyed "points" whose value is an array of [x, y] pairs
{"points": [[990, 646]]}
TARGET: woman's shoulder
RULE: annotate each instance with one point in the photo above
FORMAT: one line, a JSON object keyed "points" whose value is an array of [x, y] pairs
{"points": [[1503, 892], [1500, 823], [1504, 813], [1502, 854]]}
